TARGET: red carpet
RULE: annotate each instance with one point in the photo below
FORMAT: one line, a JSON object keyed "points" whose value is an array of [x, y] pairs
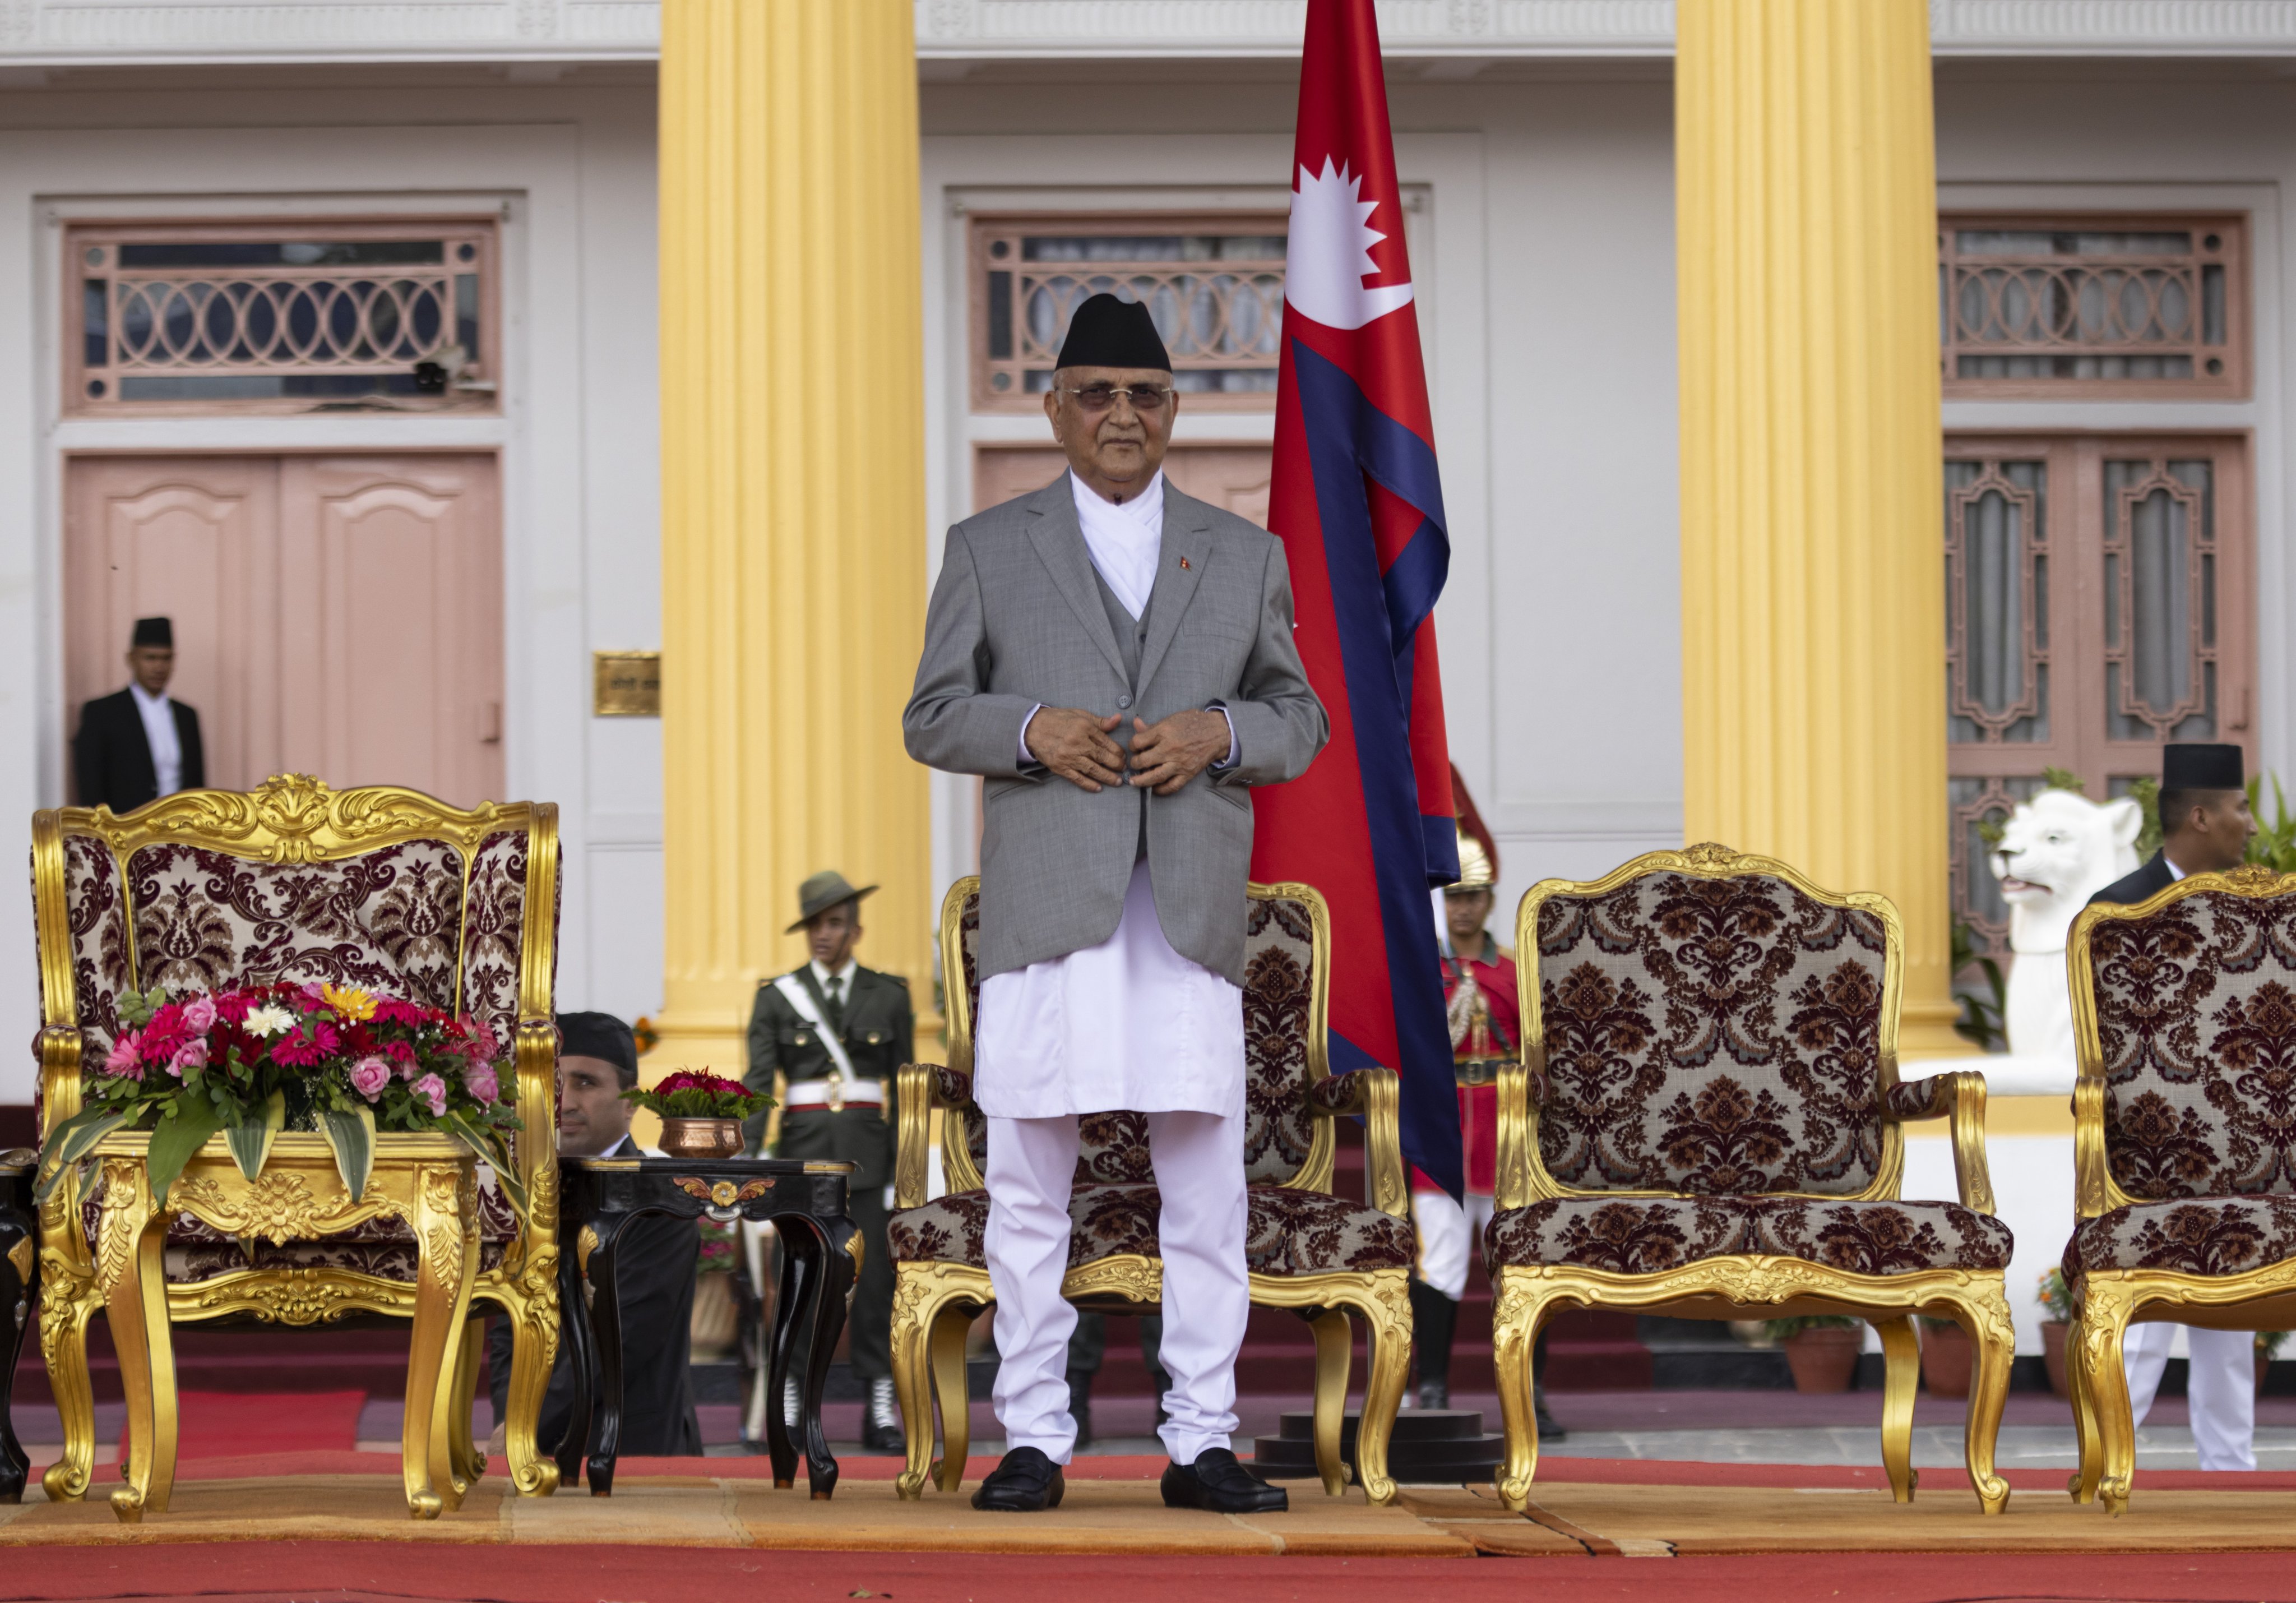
{"points": [[384, 1572], [229, 1425]]}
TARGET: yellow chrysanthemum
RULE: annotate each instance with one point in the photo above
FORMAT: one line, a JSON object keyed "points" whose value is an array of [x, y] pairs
{"points": [[350, 1005]]}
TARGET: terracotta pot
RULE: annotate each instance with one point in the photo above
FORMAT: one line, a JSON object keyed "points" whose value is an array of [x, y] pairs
{"points": [[717, 1317], [701, 1137], [1946, 1356], [2053, 1355], [1823, 1360]]}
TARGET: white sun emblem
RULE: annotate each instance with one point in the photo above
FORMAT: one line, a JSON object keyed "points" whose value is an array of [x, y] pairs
{"points": [[1330, 253]]}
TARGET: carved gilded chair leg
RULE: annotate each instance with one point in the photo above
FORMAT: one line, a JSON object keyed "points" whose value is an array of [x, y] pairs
{"points": [[2083, 1482], [1985, 1315], [1515, 1318], [2105, 1319], [138, 1315], [1335, 1344], [912, 1380], [1390, 1317], [68, 1298], [533, 1350], [462, 1452], [950, 1322], [444, 1222], [1901, 1373]]}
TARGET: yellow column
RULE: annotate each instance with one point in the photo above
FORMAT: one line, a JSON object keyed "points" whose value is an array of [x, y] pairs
{"points": [[1813, 627], [793, 464]]}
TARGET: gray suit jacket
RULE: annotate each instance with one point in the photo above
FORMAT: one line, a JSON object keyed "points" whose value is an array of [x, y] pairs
{"points": [[1017, 619]]}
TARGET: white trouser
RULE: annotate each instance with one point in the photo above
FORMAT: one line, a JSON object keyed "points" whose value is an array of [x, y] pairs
{"points": [[2221, 1393], [1197, 1159], [1447, 1237]]}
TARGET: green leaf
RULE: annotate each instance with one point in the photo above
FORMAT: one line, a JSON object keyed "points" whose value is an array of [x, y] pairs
{"points": [[352, 1136], [495, 1153], [249, 1138], [174, 1139], [73, 1141]]}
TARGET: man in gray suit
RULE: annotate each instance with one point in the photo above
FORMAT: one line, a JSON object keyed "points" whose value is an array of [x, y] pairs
{"points": [[1114, 658]]}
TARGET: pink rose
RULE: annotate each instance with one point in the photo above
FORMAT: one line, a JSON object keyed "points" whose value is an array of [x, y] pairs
{"points": [[369, 1075], [432, 1090], [122, 1059], [200, 1015], [190, 1055], [480, 1080]]}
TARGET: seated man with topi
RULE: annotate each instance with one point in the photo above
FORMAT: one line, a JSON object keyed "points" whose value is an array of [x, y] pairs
{"points": [[1114, 658]]}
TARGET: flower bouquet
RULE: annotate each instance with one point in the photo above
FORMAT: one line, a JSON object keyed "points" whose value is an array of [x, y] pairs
{"points": [[252, 1062], [701, 1113]]}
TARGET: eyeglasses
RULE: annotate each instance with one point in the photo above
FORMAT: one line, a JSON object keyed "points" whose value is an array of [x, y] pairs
{"points": [[1100, 398]]}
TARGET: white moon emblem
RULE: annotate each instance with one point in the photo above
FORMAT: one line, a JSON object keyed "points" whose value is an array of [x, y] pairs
{"points": [[1330, 253]]}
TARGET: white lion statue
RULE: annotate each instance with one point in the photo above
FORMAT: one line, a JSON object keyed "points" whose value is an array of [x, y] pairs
{"points": [[2056, 851]]}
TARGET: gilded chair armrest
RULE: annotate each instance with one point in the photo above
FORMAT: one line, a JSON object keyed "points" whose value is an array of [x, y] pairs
{"points": [[1960, 1096], [921, 1087], [1376, 1094], [2094, 1192]]}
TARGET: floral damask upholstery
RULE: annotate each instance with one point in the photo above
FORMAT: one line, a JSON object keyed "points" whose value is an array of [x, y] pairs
{"points": [[1289, 1231], [2196, 1017], [1709, 1035], [2191, 1236], [1279, 1127], [388, 919], [1647, 1234], [95, 906]]}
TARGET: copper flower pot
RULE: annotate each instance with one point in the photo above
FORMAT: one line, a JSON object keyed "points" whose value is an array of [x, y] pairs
{"points": [[701, 1137], [1947, 1358]]}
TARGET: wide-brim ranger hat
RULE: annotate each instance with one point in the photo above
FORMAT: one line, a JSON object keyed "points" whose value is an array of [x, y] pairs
{"points": [[821, 891]]}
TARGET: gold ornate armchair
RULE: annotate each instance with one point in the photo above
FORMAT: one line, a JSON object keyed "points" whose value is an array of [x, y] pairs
{"points": [[1704, 1122], [2183, 1135], [380, 887], [1310, 1250]]}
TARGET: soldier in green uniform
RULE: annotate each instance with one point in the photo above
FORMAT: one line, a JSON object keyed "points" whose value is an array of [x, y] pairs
{"points": [[828, 1040]]}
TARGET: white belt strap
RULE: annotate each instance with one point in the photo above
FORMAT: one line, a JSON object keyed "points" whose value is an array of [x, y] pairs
{"points": [[835, 1093], [799, 998]]}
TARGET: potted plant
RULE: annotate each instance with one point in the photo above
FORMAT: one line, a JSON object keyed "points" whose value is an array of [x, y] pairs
{"points": [[1947, 1355], [249, 1063], [700, 1113], [717, 1311], [1821, 1350], [2058, 1299]]}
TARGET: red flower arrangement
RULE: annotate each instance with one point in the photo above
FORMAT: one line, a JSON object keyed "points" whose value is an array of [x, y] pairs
{"points": [[688, 1095], [249, 1062]]}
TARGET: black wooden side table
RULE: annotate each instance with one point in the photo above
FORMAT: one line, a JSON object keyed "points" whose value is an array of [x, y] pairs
{"points": [[804, 1201], [20, 1284]]}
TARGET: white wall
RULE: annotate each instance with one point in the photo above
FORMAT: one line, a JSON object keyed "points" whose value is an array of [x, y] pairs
{"points": [[573, 167]]}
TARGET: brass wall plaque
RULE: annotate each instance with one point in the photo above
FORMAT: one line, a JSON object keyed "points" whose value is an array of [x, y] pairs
{"points": [[627, 684]]}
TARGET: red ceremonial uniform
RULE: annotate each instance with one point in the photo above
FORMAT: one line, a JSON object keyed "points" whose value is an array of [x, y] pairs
{"points": [[1479, 1105]]}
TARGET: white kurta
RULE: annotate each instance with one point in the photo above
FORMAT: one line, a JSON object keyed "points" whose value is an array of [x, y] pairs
{"points": [[1128, 1024]]}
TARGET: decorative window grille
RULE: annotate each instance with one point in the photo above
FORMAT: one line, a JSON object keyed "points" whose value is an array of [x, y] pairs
{"points": [[310, 316], [2037, 306], [2084, 626], [1214, 285]]}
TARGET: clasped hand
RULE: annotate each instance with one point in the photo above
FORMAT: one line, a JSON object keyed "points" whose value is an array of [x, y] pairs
{"points": [[1165, 755]]}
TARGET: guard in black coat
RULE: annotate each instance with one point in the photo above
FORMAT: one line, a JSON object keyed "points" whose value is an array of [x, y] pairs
{"points": [[115, 757], [2205, 823], [597, 1062]]}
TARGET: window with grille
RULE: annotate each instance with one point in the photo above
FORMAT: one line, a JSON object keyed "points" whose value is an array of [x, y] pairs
{"points": [[1214, 285], [2124, 306], [398, 315], [2097, 607]]}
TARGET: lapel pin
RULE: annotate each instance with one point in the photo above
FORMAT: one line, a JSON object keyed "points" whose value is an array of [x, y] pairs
{"points": [[1184, 562]]}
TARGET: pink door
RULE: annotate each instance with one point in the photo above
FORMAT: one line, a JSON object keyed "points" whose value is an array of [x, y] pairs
{"points": [[333, 615]]}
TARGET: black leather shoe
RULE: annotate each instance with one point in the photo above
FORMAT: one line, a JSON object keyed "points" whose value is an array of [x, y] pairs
{"points": [[1549, 1432], [1216, 1482], [1025, 1481]]}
